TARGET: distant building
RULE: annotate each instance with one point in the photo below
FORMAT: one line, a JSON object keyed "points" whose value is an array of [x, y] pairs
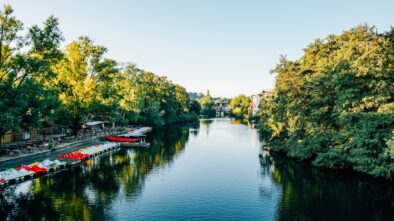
{"points": [[256, 100], [221, 107]]}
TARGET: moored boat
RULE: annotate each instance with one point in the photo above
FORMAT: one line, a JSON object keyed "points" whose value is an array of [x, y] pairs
{"points": [[25, 172], [121, 139]]}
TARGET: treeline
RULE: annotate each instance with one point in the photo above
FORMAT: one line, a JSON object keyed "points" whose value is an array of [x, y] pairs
{"points": [[335, 105], [39, 82]]}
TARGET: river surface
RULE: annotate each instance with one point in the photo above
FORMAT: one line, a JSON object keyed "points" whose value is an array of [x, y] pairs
{"points": [[209, 170]]}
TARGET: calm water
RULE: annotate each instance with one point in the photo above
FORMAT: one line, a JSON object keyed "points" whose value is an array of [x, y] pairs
{"points": [[213, 173]]}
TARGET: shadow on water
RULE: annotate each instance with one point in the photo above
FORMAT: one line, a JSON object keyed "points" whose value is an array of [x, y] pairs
{"points": [[86, 192], [314, 194]]}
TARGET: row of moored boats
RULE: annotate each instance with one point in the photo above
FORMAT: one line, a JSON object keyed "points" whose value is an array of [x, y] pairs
{"points": [[36, 169], [132, 138]]}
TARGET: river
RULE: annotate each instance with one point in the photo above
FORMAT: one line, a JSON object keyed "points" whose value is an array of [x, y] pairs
{"points": [[209, 170]]}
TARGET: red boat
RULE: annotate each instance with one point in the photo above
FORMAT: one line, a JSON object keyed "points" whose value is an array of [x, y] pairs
{"points": [[33, 168], [75, 155], [121, 139]]}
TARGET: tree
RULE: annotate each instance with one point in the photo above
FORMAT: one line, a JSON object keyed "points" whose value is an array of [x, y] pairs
{"points": [[45, 51], [207, 104], [240, 106], [9, 28], [334, 106], [195, 107], [40, 82], [23, 96], [77, 77]]}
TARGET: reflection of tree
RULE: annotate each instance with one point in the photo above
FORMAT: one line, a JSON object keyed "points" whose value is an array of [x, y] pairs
{"points": [[313, 194], [238, 121], [206, 123], [195, 128], [86, 193]]}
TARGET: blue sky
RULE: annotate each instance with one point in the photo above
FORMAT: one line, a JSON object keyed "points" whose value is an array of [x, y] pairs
{"points": [[225, 46]]}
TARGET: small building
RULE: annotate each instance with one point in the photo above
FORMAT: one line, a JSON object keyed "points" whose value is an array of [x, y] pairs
{"points": [[256, 100]]}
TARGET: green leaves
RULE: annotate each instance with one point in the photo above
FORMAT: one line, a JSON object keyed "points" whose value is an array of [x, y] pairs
{"points": [[40, 81], [9, 39], [240, 107], [334, 105], [24, 98], [207, 105]]}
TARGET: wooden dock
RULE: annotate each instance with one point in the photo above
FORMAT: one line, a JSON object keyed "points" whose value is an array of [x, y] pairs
{"points": [[69, 163], [136, 145]]}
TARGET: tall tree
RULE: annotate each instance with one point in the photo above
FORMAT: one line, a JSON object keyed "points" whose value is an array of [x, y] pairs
{"points": [[77, 77], [207, 105], [334, 106]]}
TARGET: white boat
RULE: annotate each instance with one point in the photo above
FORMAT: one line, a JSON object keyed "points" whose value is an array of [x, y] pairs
{"points": [[139, 132]]}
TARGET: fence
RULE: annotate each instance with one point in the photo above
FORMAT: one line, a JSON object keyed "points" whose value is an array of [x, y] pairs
{"points": [[34, 134]]}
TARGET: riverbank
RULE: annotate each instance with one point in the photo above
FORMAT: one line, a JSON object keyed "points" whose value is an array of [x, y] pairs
{"points": [[27, 158], [12, 161], [309, 163]]}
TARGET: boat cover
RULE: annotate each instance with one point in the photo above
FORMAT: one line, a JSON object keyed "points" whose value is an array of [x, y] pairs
{"points": [[121, 139]]}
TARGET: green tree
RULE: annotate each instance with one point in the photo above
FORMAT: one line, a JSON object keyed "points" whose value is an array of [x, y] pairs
{"points": [[23, 97], [77, 77], [334, 106], [207, 105], [9, 36], [40, 82], [195, 107], [240, 106]]}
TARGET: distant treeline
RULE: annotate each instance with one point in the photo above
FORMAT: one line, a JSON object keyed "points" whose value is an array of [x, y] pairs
{"points": [[41, 83], [335, 105]]}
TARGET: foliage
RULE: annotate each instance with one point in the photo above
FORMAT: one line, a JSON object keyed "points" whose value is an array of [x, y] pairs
{"points": [[195, 107], [207, 105], [24, 100], [334, 106], [40, 82], [240, 106]]}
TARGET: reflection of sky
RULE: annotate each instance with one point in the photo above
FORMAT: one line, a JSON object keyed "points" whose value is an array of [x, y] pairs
{"points": [[254, 137], [23, 188], [90, 194], [218, 175], [213, 176]]}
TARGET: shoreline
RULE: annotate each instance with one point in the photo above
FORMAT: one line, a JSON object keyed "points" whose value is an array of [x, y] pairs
{"points": [[7, 162]]}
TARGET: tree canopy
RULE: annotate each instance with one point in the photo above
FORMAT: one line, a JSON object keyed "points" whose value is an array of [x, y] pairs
{"points": [[39, 81], [240, 107], [335, 105], [207, 105]]}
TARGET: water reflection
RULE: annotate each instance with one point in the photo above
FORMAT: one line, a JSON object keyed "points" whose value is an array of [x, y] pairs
{"points": [[206, 124], [87, 192], [314, 194], [217, 177]]}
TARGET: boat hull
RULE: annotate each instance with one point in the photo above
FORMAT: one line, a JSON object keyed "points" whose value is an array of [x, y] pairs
{"points": [[136, 145]]}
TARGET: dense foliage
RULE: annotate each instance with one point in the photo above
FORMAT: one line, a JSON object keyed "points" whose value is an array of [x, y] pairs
{"points": [[335, 105], [39, 82], [207, 104], [240, 107]]}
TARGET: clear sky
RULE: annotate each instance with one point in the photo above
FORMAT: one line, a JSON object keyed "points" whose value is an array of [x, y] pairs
{"points": [[225, 46]]}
